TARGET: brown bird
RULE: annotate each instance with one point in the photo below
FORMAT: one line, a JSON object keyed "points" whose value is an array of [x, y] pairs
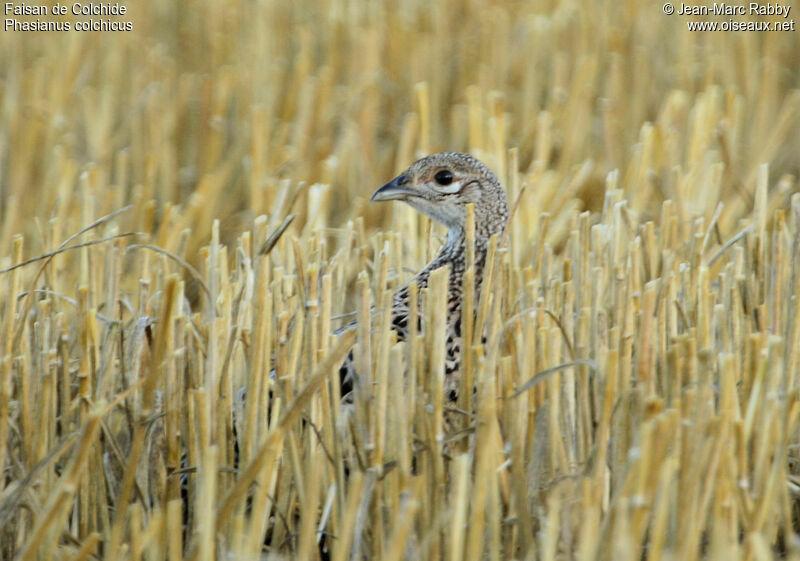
{"points": [[440, 186]]}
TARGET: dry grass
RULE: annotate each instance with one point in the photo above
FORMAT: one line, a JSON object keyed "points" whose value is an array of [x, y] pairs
{"points": [[648, 287]]}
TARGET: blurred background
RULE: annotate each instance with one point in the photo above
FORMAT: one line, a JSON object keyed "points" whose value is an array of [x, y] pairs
{"points": [[233, 109]]}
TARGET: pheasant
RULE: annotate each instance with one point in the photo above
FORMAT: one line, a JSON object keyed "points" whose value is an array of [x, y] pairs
{"points": [[440, 186]]}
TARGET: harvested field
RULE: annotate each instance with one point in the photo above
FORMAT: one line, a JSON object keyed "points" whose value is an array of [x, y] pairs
{"points": [[184, 213]]}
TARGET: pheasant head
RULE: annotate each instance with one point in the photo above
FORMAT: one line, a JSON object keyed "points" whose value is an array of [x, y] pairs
{"points": [[441, 185]]}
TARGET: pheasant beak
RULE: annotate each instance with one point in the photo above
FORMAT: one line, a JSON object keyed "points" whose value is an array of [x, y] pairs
{"points": [[396, 190]]}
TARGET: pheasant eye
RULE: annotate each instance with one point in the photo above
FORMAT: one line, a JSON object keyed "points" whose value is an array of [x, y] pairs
{"points": [[444, 177]]}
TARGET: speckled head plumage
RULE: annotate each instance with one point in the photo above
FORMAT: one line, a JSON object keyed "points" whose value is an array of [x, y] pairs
{"points": [[441, 185]]}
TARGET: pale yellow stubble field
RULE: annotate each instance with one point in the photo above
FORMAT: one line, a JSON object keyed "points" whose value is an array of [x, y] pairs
{"points": [[654, 240]]}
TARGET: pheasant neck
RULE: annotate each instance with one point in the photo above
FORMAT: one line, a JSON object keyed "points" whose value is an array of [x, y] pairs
{"points": [[454, 253]]}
